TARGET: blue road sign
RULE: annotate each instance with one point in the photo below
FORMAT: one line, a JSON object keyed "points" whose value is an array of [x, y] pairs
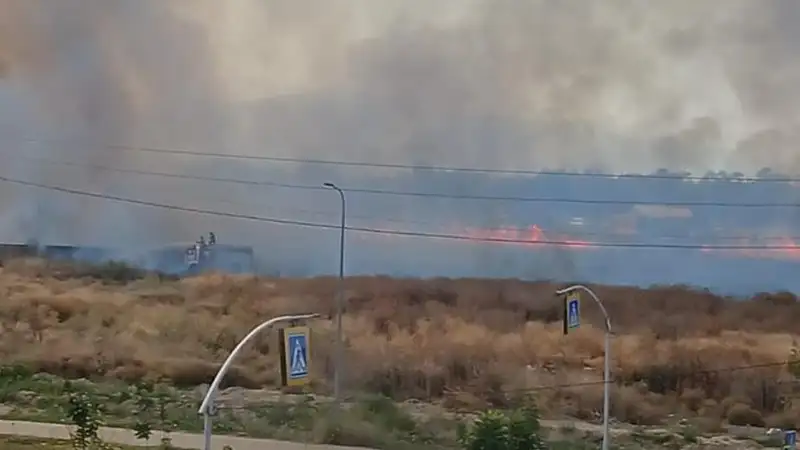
{"points": [[789, 440], [298, 359], [573, 312]]}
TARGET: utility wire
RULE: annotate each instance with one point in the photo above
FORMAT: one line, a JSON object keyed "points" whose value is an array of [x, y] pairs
{"points": [[433, 168], [520, 199], [389, 232], [439, 168], [519, 230], [357, 216]]}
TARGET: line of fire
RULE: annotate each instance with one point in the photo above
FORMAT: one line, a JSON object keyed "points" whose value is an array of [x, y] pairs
{"points": [[207, 254]]}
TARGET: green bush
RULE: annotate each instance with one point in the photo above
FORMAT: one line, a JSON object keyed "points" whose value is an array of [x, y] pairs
{"points": [[497, 430]]}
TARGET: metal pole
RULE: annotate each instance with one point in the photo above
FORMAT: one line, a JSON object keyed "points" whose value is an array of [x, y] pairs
{"points": [[606, 389], [206, 430], [606, 358], [207, 404], [338, 369]]}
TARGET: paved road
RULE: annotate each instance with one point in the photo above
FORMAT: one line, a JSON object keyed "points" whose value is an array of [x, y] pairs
{"points": [[182, 440]]}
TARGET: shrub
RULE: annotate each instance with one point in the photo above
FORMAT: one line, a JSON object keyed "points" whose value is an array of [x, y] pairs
{"points": [[707, 424], [785, 420], [524, 432], [496, 430], [488, 432], [690, 435], [741, 414], [115, 272], [693, 399], [342, 429]]}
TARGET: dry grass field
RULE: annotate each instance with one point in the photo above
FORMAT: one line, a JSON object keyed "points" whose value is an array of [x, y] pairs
{"points": [[464, 344]]}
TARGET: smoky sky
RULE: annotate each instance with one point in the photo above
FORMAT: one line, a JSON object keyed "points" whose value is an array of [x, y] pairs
{"points": [[618, 85]]}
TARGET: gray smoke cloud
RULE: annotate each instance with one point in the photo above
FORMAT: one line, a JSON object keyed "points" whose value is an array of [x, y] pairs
{"points": [[618, 85]]}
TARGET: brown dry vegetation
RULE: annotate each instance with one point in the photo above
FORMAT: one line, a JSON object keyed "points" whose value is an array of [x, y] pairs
{"points": [[466, 343]]}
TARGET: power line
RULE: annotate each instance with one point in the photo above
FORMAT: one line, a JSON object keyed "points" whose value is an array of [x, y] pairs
{"points": [[439, 168], [518, 230], [577, 200], [433, 168], [379, 231], [520, 199], [357, 216], [171, 175]]}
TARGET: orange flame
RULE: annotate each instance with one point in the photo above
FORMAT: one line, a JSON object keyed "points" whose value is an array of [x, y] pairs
{"points": [[789, 249], [533, 235]]}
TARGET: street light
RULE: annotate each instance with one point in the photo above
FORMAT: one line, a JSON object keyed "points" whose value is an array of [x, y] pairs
{"points": [[207, 408], [607, 357], [337, 369]]}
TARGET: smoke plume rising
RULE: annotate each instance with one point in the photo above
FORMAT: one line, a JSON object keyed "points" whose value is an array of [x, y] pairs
{"points": [[618, 85]]}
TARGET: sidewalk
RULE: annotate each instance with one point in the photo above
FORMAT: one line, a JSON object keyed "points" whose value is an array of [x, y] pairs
{"points": [[181, 440]]}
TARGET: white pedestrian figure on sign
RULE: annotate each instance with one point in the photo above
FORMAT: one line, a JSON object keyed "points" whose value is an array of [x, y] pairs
{"points": [[299, 366], [573, 313]]}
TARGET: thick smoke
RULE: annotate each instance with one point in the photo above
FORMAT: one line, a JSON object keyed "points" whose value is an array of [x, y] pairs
{"points": [[618, 85]]}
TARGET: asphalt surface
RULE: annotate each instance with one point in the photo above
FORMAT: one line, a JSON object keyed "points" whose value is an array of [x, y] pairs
{"points": [[181, 440]]}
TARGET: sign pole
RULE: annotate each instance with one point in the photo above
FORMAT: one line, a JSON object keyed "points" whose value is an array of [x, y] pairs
{"points": [[572, 321], [206, 430], [206, 407]]}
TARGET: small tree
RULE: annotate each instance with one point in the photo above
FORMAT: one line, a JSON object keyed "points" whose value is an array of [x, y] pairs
{"points": [[86, 415], [496, 430], [151, 411], [142, 394]]}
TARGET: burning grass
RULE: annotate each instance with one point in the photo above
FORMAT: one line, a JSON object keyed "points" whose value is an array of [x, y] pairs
{"points": [[463, 343]]}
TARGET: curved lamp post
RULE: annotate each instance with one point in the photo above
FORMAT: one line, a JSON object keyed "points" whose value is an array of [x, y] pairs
{"points": [[606, 359], [206, 408], [338, 369]]}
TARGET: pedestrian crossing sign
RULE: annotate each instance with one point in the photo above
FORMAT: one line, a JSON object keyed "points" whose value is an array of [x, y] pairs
{"points": [[572, 311], [295, 355], [789, 440]]}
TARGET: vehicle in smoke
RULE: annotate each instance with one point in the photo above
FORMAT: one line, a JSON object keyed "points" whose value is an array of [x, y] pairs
{"points": [[201, 256]]}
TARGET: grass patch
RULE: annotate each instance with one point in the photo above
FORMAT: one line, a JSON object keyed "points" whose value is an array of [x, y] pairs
{"points": [[369, 421]]}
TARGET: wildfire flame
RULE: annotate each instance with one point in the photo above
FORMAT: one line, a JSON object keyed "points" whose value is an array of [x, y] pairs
{"points": [[535, 236], [532, 235], [789, 248]]}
